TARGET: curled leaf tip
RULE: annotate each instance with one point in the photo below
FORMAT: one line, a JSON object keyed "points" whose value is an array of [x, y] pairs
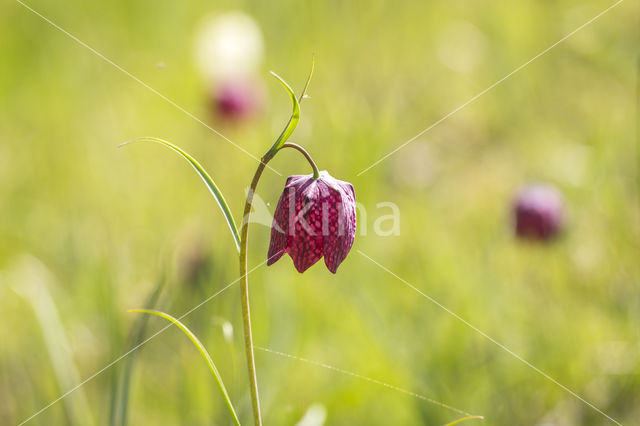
{"points": [[140, 139], [273, 73], [128, 142]]}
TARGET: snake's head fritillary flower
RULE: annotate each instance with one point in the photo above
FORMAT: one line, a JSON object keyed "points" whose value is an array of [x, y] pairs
{"points": [[539, 212], [234, 100], [314, 218]]}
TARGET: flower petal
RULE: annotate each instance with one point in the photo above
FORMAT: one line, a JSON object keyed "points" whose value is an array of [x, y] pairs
{"points": [[279, 228], [314, 218], [342, 225], [304, 245]]}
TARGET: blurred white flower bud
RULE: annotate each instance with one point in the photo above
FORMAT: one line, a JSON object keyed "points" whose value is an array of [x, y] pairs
{"points": [[227, 331], [316, 415], [228, 46]]}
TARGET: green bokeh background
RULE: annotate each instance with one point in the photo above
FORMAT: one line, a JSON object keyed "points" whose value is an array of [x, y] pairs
{"points": [[94, 229]]}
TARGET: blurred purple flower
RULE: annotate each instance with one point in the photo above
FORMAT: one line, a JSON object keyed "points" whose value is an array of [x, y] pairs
{"points": [[314, 218], [539, 212], [236, 100]]}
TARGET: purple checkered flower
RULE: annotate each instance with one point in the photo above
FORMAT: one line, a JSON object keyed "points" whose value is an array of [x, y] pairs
{"points": [[539, 212], [235, 100], [314, 218]]}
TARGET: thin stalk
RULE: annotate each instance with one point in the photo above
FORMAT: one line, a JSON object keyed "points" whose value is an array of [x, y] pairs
{"points": [[244, 237], [316, 172], [246, 313], [244, 233]]}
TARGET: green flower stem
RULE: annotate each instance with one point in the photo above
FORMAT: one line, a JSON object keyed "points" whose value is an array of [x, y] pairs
{"points": [[316, 172], [246, 313], [244, 236], [244, 233]]}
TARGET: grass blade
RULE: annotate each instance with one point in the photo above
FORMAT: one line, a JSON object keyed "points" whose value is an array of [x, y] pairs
{"points": [[306, 84], [202, 351], [213, 188], [464, 419], [122, 381]]}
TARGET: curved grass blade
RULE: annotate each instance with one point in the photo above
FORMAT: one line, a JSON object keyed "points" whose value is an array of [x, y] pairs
{"points": [[455, 422], [306, 84], [293, 121], [119, 413], [213, 188], [202, 351]]}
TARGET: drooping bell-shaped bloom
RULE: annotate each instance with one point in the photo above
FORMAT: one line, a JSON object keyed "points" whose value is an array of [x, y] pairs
{"points": [[236, 100], [539, 212], [314, 218]]}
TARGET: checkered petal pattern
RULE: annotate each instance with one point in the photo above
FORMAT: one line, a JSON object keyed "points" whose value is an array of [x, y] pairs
{"points": [[314, 218]]}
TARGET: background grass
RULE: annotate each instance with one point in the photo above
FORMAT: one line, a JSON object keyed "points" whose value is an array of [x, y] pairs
{"points": [[109, 224]]}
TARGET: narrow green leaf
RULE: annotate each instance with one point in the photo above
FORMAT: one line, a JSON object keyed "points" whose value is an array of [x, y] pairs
{"points": [[455, 422], [293, 121], [119, 413], [213, 188], [202, 351], [306, 84]]}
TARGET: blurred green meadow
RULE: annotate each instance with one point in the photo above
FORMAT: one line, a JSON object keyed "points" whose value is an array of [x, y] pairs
{"points": [[89, 230]]}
